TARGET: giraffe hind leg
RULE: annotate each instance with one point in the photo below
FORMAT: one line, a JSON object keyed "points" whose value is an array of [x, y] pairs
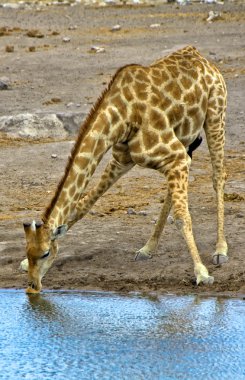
{"points": [[215, 133], [150, 247]]}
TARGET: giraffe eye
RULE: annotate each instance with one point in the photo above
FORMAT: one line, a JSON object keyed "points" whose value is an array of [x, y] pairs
{"points": [[46, 254]]}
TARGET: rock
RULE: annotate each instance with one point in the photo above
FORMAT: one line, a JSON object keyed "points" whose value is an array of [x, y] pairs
{"points": [[71, 121], [170, 220], [66, 39], [183, 2], [68, 105], [32, 126], [53, 155], [11, 6], [144, 213], [155, 26], [97, 49], [213, 16], [115, 28], [5, 80], [3, 85], [131, 211]]}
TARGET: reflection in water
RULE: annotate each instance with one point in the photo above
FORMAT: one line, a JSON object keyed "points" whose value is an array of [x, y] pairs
{"points": [[108, 336]]}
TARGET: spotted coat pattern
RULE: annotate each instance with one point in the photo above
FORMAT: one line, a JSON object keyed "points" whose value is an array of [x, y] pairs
{"points": [[149, 116]]}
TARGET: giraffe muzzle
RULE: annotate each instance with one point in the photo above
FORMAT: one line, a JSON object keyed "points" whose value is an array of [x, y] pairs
{"points": [[33, 287]]}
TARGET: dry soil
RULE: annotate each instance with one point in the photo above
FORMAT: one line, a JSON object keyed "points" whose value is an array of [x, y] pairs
{"points": [[50, 75]]}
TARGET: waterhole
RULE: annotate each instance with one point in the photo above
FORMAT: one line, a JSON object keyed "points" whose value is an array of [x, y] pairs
{"points": [[94, 335]]}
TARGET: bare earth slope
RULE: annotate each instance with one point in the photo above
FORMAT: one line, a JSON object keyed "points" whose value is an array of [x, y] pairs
{"points": [[48, 75]]}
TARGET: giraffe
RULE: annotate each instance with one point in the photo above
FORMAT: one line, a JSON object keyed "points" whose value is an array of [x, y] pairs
{"points": [[149, 116]]}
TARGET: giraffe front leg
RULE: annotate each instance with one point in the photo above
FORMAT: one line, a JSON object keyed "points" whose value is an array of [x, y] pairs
{"points": [[113, 171], [150, 247], [178, 182]]}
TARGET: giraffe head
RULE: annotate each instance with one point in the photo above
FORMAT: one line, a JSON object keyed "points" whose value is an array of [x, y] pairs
{"points": [[41, 250]]}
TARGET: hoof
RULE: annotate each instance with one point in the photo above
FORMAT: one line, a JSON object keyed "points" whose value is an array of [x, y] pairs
{"points": [[209, 280], [219, 258], [142, 256], [202, 275]]}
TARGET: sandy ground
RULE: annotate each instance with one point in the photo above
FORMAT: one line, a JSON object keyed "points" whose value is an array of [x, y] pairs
{"points": [[49, 75]]}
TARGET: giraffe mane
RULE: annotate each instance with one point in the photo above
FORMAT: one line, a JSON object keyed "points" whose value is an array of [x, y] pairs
{"points": [[85, 127]]}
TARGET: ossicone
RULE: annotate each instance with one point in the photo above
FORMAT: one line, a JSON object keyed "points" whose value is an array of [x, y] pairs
{"points": [[33, 226]]}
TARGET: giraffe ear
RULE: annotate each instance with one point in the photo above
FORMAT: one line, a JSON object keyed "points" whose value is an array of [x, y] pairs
{"points": [[59, 231]]}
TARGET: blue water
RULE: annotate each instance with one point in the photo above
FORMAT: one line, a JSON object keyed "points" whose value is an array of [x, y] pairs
{"points": [[91, 335]]}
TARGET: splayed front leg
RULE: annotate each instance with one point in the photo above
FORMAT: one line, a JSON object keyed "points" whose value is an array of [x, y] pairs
{"points": [[113, 171], [202, 275]]}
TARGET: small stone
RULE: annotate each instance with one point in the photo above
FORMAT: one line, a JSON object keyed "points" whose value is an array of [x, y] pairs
{"points": [[32, 49], [170, 220], [71, 104], [213, 16], [155, 26], [5, 79], [66, 39], [3, 85], [11, 6], [72, 27], [115, 28], [54, 155], [183, 2], [131, 211], [97, 49], [144, 213]]}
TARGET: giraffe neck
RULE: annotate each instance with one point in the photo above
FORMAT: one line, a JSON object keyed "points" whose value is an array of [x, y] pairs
{"points": [[100, 134]]}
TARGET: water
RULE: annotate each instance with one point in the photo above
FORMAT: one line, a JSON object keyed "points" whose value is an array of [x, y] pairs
{"points": [[91, 335]]}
